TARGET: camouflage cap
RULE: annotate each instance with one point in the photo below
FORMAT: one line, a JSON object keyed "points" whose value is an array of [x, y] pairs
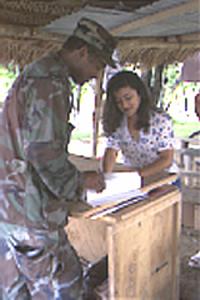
{"points": [[98, 37]]}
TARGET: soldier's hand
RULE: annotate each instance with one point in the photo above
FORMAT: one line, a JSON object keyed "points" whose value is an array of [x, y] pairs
{"points": [[93, 180]]}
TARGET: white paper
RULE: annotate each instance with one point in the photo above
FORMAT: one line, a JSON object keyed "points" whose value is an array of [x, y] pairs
{"points": [[119, 186], [195, 261]]}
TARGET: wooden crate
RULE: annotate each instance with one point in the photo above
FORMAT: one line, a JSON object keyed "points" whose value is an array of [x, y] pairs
{"points": [[142, 243]]}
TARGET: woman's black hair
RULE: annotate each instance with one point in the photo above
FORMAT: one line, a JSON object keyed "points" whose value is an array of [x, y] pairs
{"points": [[112, 116]]}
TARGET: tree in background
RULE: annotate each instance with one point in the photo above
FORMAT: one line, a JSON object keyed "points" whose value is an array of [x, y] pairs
{"points": [[153, 79], [7, 76]]}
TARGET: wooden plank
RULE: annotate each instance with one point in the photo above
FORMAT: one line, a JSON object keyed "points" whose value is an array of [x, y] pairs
{"points": [[97, 111], [88, 237], [161, 43], [190, 194], [197, 217], [188, 214], [152, 206], [113, 218], [176, 229], [191, 215], [143, 255], [191, 6], [158, 180]]}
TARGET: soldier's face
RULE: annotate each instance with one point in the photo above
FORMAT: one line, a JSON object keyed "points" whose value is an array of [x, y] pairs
{"points": [[88, 67]]}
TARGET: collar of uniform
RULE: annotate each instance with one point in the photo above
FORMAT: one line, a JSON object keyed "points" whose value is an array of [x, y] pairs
{"points": [[59, 60]]}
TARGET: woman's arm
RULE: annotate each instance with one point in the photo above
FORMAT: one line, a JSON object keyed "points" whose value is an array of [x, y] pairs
{"points": [[109, 159], [164, 161]]}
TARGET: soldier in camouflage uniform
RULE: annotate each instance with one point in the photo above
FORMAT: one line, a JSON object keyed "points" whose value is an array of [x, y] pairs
{"points": [[36, 178]]}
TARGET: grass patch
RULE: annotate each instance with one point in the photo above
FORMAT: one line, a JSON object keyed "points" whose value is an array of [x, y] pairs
{"points": [[79, 135], [184, 129], [181, 130]]}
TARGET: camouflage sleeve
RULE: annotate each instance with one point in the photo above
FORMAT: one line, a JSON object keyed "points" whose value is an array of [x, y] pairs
{"points": [[45, 133]]}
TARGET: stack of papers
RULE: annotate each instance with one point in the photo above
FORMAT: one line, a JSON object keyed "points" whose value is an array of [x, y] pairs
{"points": [[119, 186]]}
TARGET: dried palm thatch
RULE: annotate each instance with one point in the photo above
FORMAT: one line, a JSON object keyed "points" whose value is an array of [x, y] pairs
{"points": [[20, 23], [157, 51], [36, 12], [41, 12], [24, 51], [22, 41]]}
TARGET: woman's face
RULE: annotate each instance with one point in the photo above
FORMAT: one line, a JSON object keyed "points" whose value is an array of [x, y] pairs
{"points": [[127, 100]]}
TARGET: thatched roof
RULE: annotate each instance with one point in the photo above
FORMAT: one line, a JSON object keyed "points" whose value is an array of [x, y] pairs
{"points": [[20, 25], [151, 52], [150, 31]]}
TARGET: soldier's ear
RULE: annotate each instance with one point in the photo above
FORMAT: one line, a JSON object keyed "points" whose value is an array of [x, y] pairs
{"points": [[83, 51]]}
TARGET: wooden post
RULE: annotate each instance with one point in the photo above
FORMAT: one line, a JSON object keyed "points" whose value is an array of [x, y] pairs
{"points": [[97, 112]]}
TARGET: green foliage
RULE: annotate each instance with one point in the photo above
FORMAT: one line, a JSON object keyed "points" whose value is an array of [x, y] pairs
{"points": [[184, 129], [10, 72], [171, 74], [7, 76], [80, 135], [172, 83]]}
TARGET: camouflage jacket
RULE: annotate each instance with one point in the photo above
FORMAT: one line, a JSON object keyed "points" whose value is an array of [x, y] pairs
{"points": [[36, 177]]}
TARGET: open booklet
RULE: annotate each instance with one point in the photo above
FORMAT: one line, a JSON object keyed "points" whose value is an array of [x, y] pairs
{"points": [[120, 186]]}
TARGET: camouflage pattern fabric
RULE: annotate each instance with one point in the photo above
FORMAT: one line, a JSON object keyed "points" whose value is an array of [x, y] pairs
{"points": [[98, 37], [36, 181], [44, 270]]}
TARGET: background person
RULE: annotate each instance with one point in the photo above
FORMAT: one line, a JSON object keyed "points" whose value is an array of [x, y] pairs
{"points": [[36, 178], [135, 127]]}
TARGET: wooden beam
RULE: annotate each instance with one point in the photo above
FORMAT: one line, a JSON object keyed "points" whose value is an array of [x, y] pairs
{"points": [[147, 43], [173, 38], [44, 35], [191, 6], [22, 33], [186, 41], [97, 112], [190, 37]]}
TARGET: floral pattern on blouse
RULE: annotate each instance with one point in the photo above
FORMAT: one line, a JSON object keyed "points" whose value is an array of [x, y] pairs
{"points": [[142, 152]]}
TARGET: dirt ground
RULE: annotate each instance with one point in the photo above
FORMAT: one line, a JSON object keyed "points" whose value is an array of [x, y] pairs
{"points": [[189, 277]]}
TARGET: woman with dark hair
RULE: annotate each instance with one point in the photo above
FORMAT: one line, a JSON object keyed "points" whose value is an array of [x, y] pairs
{"points": [[133, 125]]}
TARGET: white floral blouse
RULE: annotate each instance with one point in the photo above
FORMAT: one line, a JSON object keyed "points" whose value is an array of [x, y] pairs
{"points": [[145, 150]]}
